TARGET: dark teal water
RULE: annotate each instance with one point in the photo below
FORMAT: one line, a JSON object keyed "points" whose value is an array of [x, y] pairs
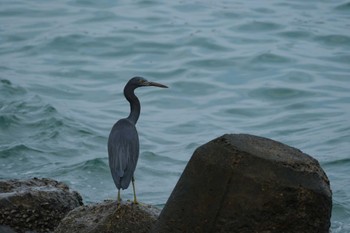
{"points": [[278, 69]]}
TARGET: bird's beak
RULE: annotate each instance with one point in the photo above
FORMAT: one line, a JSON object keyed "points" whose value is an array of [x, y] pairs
{"points": [[156, 84]]}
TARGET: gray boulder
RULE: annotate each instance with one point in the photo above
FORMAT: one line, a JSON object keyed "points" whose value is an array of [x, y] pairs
{"points": [[34, 205], [109, 217], [244, 183]]}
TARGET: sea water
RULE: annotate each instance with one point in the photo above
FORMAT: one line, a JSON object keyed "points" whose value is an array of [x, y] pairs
{"points": [[277, 69]]}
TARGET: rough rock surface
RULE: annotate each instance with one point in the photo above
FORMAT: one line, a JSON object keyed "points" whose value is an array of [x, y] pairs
{"points": [[109, 217], [244, 183], [35, 205]]}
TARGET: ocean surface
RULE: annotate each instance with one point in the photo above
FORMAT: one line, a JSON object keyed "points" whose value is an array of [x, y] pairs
{"points": [[277, 69]]}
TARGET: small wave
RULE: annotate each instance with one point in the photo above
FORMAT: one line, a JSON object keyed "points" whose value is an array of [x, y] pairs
{"points": [[93, 4], [211, 63], [207, 44], [93, 164], [8, 89], [279, 93], [7, 120], [343, 7], [270, 58], [17, 149], [71, 42], [298, 77], [344, 161], [338, 58], [97, 164], [150, 170], [339, 226], [258, 26], [29, 112], [334, 40], [247, 112], [150, 157], [296, 34]]}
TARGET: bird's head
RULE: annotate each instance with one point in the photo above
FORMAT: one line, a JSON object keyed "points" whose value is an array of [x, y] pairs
{"points": [[141, 82]]}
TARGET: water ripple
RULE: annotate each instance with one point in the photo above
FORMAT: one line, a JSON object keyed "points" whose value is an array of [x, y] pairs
{"points": [[257, 26], [343, 7], [334, 40], [280, 94]]}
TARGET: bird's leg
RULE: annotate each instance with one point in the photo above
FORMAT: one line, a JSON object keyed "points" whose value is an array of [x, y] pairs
{"points": [[119, 199], [133, 187]]}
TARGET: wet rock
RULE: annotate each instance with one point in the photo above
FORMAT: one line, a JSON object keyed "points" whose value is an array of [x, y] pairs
{"points": [[34, 205], [109, 217], [243, 183]]}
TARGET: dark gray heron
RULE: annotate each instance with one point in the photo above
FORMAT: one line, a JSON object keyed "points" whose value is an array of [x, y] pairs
{"points": [[123, 141]]}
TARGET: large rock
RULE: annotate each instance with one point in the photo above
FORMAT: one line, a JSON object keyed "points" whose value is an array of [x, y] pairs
{"points": [[35, 205], [109, 217], [243, 183]]}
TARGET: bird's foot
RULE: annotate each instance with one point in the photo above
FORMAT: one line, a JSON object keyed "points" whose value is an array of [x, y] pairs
{"points": [[138, 204], [135, 203], [132, 203]]}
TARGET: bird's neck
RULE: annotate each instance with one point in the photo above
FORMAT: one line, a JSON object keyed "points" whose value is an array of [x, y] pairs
{"points": [[135, 106]]}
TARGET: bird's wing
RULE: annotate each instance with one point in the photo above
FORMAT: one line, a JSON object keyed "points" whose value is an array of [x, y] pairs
{"points": [[123, 152]]}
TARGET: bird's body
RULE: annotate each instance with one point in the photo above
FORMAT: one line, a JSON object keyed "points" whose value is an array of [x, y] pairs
{"points": [[123, 145], [123, 141]]}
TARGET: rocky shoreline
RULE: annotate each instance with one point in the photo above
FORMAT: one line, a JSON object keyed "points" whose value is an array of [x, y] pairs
{"points": [[108, 216], [46, 205], [35, 205], [235, 183]]}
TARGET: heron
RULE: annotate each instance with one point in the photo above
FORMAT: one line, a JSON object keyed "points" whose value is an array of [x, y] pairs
{"points": [[123, 141]]}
